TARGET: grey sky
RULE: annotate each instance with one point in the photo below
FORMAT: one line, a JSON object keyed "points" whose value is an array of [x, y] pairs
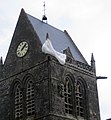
{"points": [[88, 22]]}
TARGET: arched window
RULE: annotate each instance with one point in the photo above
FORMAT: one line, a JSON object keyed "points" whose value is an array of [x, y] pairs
{"points": [[18, 107], [30, 103], [68, 96], [80, 99]]}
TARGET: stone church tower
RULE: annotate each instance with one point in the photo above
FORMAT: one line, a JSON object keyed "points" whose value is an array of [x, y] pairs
{"points": [[35, 86]]}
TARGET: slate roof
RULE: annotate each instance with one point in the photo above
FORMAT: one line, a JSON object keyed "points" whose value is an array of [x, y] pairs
{"points": [[60, 39]]}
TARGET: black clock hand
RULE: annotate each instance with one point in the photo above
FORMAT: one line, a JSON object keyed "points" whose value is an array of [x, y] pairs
{"points": [[23, 46]]}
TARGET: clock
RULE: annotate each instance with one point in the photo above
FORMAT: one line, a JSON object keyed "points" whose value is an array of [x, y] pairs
{"points": [[22, 49]]}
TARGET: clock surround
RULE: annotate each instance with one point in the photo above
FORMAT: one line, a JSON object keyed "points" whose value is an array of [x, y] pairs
{"points": [[22, 49]]}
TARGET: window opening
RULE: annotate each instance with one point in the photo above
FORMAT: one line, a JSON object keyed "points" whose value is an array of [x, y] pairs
{"points": [[79, 100], [30, 103], [18, 103], [68, 96]]}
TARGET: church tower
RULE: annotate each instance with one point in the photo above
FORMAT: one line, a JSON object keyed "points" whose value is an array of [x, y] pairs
{"points": [[35, 86]]}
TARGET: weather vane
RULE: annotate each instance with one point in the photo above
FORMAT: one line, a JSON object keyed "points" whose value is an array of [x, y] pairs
{"points": [[44, 8], [44, 18]]}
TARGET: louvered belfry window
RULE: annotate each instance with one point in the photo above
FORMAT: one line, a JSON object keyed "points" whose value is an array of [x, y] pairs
{"points": [[68, 96], [18, 103], [30, 104], [79, 99]]}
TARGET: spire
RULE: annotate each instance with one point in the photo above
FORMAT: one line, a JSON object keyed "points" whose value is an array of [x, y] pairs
{"points": [[1, 61], [92, 59], [93, 65], [1, 67], [93, 62], [44, 18]]}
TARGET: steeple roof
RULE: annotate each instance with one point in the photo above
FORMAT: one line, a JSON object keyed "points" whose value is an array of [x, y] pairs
{"points": [[60, 39]]}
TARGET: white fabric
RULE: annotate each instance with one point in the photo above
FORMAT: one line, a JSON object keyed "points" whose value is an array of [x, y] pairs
{"points": [[48, 48]]}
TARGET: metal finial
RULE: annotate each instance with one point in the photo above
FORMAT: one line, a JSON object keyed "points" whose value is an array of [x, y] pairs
{"points": [[44, 18]]}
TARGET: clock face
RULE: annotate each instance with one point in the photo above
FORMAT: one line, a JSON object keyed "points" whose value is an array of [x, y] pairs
{"points": [[22, 49]]}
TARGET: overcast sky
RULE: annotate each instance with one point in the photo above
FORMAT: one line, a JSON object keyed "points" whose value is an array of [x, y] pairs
{"points": [[88, 22]]}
